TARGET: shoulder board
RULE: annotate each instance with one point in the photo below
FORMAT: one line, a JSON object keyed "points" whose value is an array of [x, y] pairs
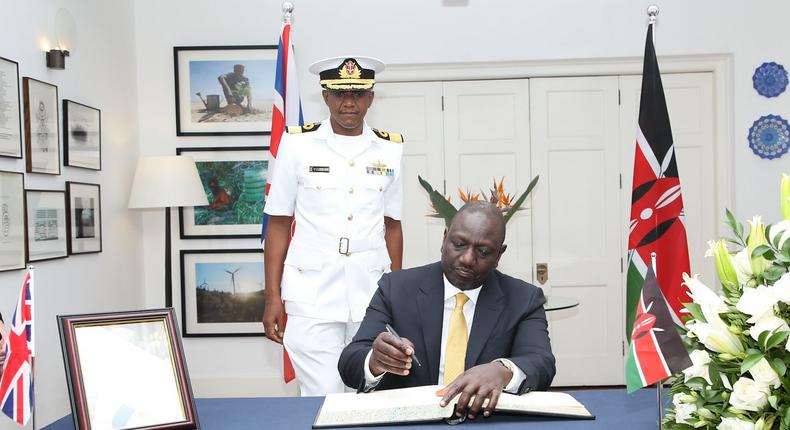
{"points": [[392, 137], [296, 129]]}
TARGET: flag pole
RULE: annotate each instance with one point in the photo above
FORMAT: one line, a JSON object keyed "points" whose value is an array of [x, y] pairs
{"points": [[652, 16], [30, 271], [660, 382]]}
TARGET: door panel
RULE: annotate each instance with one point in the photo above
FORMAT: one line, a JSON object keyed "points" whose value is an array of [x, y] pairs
{"points": [[486, 127], [415, 110], [577, 222]]}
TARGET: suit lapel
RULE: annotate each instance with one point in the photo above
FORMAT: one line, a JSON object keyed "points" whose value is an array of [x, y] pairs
{"points": [[430, 302], [490, 305]]}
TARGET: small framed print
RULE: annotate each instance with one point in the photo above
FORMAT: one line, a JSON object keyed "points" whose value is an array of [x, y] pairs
{"points": [[234, 180], [10, 117], [12, 221], [126, 370], [81, 136], [224, 90], [222, 292], [45, 222], [83, 206], [42, 139]]}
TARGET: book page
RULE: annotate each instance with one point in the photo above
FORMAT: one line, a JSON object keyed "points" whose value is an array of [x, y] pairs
{"points": [[543, 403], [380, 407]]}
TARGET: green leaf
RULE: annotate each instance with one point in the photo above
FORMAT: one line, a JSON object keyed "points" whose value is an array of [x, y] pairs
{"points": [[786, 418], [763, 336], [778, 365], [750, 361], [442, 206], [696, 311], [774, 272], [776, 339], [736, 227], [520, 201], [761, 250]]}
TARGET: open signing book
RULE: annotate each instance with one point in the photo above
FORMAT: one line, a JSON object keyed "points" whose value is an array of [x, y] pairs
{"points": [[421, 404]]}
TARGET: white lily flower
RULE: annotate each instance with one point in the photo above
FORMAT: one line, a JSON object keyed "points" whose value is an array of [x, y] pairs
{"points": [[768, 322], [782, 287], [709, 301], [743, 265], [781, 229], [757, 302]]}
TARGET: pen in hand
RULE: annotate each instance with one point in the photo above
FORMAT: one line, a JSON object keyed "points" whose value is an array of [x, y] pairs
{"points": [[391, 331]]}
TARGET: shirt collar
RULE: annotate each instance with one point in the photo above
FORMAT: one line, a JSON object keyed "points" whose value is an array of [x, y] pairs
{"points": [[451, 290]]}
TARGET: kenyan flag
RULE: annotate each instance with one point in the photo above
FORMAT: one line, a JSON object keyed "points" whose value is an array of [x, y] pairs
{"points": [[656, 350], [657, 219]]}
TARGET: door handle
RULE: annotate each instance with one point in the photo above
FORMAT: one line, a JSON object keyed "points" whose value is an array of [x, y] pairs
{"points": [[542, 272]]}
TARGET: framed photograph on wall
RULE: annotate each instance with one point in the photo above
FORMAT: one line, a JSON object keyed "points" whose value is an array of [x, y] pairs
{"points": [[81, 135], [12, 221], [42, 138], [83, 206], [45, 225], [222, 292], [139, 351], [235, 182], [224, 90], [10, 113]]}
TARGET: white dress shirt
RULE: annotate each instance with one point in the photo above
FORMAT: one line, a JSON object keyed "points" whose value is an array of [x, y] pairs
{"points": [[469, 314]]}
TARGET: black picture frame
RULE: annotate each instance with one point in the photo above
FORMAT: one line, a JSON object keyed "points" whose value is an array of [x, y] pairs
{"points": [[10, 110], [198, 68], [12, 221], [240, 174], [140, 351], [216, 275], [42, 125], [85, 237], [46, 235], [81, 135]]}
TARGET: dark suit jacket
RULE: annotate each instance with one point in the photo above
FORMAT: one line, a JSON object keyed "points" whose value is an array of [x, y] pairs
{"points": [[509, 322]]}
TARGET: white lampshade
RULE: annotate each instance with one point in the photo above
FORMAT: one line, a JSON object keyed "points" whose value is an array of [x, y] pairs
{"points": [[166, 181]]}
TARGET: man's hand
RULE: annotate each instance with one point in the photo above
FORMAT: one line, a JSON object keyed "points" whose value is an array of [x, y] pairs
{"points": [[391, 354], [483, 382], [274, 319]]}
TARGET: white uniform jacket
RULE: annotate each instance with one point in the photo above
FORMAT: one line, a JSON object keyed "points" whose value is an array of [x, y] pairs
{"points": [[337, 253]]}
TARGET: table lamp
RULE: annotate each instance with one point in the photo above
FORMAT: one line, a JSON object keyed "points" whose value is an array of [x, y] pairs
{"points": [[166, 182]]}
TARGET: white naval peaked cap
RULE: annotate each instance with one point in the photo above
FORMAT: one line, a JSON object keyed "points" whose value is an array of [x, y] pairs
{"points": [[347, 73]]}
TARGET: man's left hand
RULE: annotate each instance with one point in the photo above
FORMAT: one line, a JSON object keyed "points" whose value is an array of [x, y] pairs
{"points": [[482, 382]]}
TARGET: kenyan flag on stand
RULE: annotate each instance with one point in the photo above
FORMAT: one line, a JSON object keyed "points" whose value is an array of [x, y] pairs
{"points": [[656, 350], [657, 215]]}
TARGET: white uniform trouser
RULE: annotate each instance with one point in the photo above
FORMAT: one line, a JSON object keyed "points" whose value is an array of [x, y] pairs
{"points": [[314, 346]]}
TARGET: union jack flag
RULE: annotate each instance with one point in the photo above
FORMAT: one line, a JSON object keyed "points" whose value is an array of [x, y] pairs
{"points": [[16, 386], [287, 108]]}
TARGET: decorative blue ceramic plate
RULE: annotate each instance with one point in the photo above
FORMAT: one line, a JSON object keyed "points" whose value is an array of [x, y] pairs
{"points": [[770, 79], [769, 136]]}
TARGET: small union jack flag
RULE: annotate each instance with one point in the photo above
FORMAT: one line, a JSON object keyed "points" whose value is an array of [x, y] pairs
{"points": [[16, 385]]}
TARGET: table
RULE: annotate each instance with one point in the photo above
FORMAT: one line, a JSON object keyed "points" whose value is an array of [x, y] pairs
{"points": [[613, 409], [555, 303]]}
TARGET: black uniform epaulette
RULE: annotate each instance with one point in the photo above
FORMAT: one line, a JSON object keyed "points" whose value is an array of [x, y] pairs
{"points": [[392, 137], [296, 129]]}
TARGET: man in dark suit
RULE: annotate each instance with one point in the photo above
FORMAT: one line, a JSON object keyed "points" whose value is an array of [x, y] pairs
{"points": [[505, 345]]}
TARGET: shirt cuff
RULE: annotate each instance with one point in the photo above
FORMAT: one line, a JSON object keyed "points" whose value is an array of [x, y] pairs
{"points": [[518, 376], [370, 380]]}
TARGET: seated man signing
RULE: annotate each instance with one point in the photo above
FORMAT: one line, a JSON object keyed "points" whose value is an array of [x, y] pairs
{"points": [[470, 327]]}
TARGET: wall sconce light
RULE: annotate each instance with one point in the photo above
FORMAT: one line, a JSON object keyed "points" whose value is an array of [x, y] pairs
{"points": [[66, 35], [56, 59]]}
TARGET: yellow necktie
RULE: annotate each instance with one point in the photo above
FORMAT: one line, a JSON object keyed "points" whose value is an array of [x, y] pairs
{"points": [[455, 355]]}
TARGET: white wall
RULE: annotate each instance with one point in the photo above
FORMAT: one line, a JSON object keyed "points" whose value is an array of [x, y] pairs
{"points": [[99, 73]]}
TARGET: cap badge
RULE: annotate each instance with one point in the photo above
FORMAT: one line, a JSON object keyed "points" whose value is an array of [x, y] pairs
{"points": [[350, 70]]}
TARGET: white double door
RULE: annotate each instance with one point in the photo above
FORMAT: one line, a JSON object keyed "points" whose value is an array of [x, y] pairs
{"points": [[578, 134]]}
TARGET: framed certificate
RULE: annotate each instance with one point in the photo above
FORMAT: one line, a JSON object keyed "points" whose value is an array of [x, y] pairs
{"points": [[10, 118], [45, 222], [42, 139], [83, 206], [126, 370], [12, 221]]}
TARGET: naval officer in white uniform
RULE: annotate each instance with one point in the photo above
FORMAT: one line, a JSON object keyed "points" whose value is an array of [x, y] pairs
{"points": [[338, 184]]}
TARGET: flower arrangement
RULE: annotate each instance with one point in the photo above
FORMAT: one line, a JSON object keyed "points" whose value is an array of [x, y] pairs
{"points": [[738, 337], [443, 207]]}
